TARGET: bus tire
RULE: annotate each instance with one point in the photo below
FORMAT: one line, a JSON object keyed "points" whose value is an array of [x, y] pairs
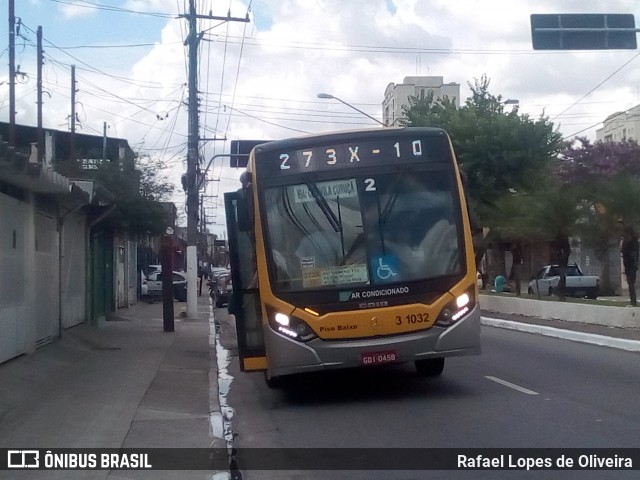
{"points": [[430, 367], [273, 382]]}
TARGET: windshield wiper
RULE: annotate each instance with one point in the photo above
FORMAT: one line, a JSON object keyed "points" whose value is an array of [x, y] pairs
{"points": [[335, 222], [324, 207]]}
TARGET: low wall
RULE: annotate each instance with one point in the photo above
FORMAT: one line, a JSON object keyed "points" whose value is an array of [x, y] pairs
{"points": [[624, 317]]}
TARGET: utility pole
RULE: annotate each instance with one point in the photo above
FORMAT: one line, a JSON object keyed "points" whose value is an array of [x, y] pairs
{"points": [[104, 142], [12, 74], [192, 167], [40, 131], [72, 137], [193, 162]]}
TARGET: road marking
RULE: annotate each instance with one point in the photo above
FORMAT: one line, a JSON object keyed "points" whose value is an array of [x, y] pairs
{"points": [[511, 385]]}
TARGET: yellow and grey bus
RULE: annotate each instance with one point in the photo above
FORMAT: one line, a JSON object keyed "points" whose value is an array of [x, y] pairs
{"points": [[352, 249]]}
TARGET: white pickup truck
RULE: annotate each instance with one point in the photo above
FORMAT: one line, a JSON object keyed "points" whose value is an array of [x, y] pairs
{"points": [[578, 284]]}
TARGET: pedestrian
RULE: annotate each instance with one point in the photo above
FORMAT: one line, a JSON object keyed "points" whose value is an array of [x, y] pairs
{"points": [[516, 267], [629, 250]]}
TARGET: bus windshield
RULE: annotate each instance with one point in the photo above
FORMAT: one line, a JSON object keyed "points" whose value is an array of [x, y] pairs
{"points": [[365, 229]]}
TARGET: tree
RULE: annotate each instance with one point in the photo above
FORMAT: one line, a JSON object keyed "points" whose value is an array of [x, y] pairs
{"points": [[608, 174], [629, 251], [499, 152], [137, 195], [549, 214], [425, 111], [154, 184]]}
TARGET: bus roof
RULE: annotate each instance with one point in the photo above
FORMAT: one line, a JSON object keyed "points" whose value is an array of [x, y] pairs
{"points": [[353, 135]]}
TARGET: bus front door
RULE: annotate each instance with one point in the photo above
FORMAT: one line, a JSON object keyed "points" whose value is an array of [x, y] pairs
{"points": [[244, 303]]}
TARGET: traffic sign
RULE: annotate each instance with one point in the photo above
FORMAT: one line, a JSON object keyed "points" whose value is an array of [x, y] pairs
{"points": [[240, 150], [577, 31]]}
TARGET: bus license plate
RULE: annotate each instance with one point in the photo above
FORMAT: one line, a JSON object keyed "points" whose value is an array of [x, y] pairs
{"points": [[378, 358]]}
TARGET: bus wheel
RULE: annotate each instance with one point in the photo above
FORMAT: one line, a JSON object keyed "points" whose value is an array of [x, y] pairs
{"points": [[273, 382], [430, 367]]}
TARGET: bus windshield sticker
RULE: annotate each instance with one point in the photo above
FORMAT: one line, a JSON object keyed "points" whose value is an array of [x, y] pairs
{"points": [[308, 262], [329, 190], [342, 275], [384, 268]]}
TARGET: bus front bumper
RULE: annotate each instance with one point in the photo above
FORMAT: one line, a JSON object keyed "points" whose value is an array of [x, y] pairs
{"points": [[287, 356]]}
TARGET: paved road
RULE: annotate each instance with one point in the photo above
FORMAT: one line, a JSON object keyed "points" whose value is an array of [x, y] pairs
{"points": [[524, 391]]}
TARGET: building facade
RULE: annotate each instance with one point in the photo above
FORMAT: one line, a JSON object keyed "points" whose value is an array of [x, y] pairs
{"points": [[396, 96], [60, 264], [620, 126]]}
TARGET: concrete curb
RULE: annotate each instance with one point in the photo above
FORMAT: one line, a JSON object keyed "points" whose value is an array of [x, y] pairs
{"points": [[619, 343], [216, 418], [608, 316]]}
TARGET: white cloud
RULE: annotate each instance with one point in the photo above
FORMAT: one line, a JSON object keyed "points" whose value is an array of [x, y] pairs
{"points": [[350, 48], [70, 11]]}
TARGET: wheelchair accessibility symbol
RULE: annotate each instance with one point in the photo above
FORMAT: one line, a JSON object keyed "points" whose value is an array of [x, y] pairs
{"points": [[384, 267]]}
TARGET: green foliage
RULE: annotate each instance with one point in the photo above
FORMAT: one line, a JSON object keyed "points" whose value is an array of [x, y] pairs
{"points": [[136, 210], [154, 184], [425, 112], [608, 174], [500, 152]]}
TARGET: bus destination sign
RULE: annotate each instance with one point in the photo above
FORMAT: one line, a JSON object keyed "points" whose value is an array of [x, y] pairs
{"points": [[383, 152]]}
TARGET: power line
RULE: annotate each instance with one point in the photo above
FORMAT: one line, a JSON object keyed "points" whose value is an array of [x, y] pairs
{"points": [[90, 67], [383, 49], [109, 8], [123, 45], [597, 86], [265, 121], [235, 86]]}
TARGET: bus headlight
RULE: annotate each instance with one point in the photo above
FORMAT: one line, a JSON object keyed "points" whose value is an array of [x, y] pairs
{"points": [[456, 309], [291, 326]]}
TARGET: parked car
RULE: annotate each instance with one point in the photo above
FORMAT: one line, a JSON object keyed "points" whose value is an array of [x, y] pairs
{"points": [[154, 285], [578, 284], [221, 289]]}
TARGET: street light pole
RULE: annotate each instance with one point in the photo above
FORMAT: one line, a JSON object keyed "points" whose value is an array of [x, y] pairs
{"points": [[331, 97], [514, 102]]}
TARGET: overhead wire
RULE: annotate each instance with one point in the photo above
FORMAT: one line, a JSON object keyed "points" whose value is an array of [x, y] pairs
{"points": [[382, 48], [222, 74], [265, 121], [109, 94], [235, 85], [110, 8], [243, 40], [615, 72]]}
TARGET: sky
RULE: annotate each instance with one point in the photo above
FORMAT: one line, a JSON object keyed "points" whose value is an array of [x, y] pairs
{"points": [[260, 79]]}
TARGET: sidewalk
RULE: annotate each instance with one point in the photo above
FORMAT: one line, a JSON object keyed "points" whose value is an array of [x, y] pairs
{"points": [[617, 327], [125, 384]]}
